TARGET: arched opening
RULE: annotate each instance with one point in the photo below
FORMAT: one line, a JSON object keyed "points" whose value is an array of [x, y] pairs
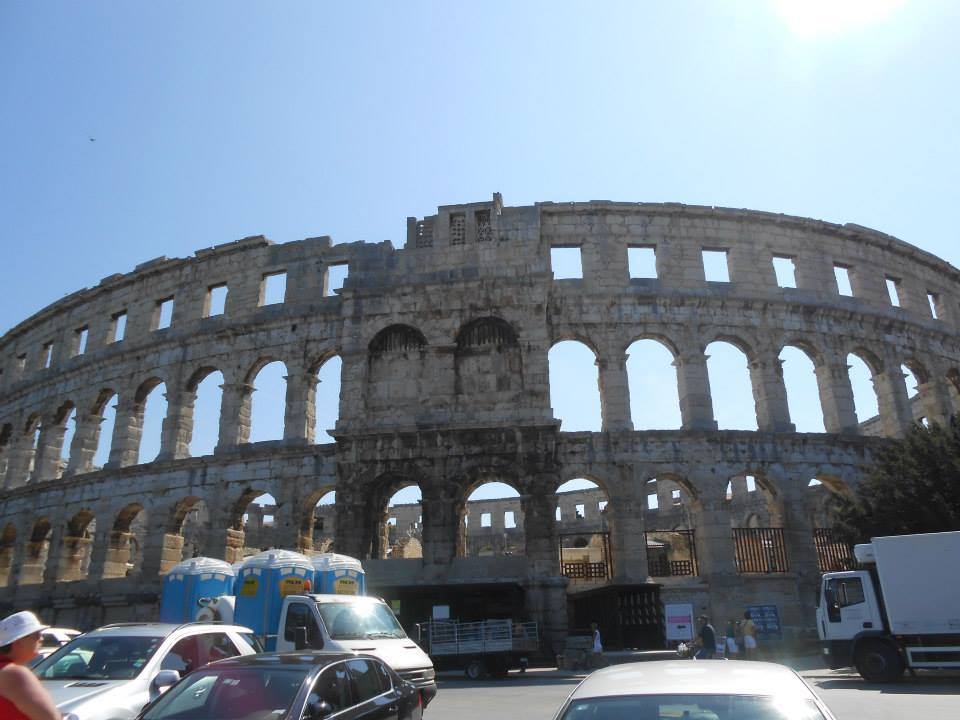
{"points": [[583, 529], [865, 400], [803, 391], [187, 532], [398, 521], [106, 409], [731, 388], [6, 433], [756, 520], [151, 407], [78, 537], [38, 550], [125, 544], [254, 525], [67, 422], [8, 544], [491, 522], [319, 528], [575, 387], [269, 402], [833, 552], [488, 363], [670, 534], [652, 377], [207, 388], [910, 381], [33, 431], [395, 367], [327, 399]]}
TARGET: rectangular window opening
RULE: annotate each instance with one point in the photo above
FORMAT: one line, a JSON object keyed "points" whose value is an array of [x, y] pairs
{"points": [[842, 274], [653, 502], [786, 271], [715, 267], [458, 229], [486, 519], [567, 263], [509, 519], [893, 291], [273, 288], [47, 354], [119, 326], [934, 301], [675, 497], [392, 522], [558, 514], [216, 301], [336, 277], [751, 483], [21, 362], [642, 261], [80, 340], [484, 228], [164, 313], [581, 511], [602, 506]]}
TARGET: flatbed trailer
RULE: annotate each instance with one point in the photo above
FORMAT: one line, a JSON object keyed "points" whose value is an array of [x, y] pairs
{"points": [[487, 647]]}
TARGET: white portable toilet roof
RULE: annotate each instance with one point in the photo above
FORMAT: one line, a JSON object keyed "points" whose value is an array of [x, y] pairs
{"points": [[333, 561], [277, 558], [202, 566]]}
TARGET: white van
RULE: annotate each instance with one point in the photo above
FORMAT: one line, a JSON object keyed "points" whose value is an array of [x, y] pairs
{"points": [[354, 623]]}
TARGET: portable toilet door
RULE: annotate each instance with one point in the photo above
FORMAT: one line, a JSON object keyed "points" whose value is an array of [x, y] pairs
{"points": [[189, 581], [338, 574]]}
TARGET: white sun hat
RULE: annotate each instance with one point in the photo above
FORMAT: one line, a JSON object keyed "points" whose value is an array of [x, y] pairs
{"points": [[13, 627]]}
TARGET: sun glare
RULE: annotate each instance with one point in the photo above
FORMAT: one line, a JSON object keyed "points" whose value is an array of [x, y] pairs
{"points": [[813, 18]]}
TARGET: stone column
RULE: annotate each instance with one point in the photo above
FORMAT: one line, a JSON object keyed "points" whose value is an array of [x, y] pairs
{"points": [[177, 430], [935, 397], [352, 534], [18, 462], [84, 445], [234, 415], [628, 543], [300, 415], [441, 523], [46, 465], [836, 395], [161, 549], [73, 550], [56, 551], [224, 543], [128, 427], [614, 393], [770, 394], [801, 551], [540, 526], [892, 400], [693, 385], [100, 565]]}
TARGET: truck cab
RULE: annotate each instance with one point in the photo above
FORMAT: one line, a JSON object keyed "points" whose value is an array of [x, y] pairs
{"points": [[354, 623], [848, 612]]}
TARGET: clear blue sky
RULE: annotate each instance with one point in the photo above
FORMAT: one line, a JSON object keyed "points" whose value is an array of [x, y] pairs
{"points": [[212, 121]]}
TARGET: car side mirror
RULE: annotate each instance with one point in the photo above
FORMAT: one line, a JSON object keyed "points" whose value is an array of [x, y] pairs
{"points": [[165, 679], [320, 710], [300, 638]]}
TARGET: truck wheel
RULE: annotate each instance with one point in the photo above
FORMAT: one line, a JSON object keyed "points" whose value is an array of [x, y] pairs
{"points": [[877, 661], [475, 669]]}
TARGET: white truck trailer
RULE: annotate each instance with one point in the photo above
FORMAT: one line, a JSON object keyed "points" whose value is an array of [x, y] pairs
{"points": [[902, 610]]}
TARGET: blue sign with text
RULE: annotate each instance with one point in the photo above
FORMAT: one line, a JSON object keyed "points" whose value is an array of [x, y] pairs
{"points": [[766, 618]]}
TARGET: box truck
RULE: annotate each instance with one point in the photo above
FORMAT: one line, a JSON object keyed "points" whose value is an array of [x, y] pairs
{"points": [[901, 610]]}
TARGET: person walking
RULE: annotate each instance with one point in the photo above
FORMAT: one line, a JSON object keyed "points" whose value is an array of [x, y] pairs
{"points": [[22, 696], [706, 640], [749, 630], [597, 645], [732, 648]]}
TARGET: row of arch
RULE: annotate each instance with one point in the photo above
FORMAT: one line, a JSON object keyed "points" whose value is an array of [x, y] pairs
{"points": [[77, 548]]}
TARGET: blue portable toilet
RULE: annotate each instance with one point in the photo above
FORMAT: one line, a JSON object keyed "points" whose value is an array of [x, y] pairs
{"points": [[187, 582], [264, 580], [338, 574]]}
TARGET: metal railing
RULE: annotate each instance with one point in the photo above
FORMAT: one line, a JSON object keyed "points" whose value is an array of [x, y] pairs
{"points": [[487, 636], [760, 550], [584, 569], [671, 553], [833, 554]]}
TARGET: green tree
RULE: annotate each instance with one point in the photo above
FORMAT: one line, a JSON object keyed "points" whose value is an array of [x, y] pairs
{"points": [[913, 487]]}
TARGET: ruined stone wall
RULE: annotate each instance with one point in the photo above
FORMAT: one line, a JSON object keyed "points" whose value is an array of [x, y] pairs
{"points": [[444, 346]]}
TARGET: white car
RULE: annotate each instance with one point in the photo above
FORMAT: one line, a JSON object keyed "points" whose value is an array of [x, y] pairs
{"points": [[694, 690], [112, 672]]}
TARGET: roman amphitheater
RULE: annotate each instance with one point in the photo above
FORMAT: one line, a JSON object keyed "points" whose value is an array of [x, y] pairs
{"points": [[444, 347]]}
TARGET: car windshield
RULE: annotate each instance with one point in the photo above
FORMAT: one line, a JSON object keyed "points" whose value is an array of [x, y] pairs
{"points": [[359, 621], [227, 693], [693, 707], [99, 657]]}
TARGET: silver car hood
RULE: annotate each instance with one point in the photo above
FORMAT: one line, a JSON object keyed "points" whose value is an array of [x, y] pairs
{"points": [[70, 694]]}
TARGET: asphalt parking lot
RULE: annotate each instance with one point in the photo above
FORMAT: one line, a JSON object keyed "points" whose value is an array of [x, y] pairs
{"points": [[537, 694]]}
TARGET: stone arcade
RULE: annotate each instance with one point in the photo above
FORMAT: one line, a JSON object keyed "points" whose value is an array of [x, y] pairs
{"points": [[444, 348]]}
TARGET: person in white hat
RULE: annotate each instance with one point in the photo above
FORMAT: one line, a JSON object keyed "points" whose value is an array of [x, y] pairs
{"points": [[22, 696]]}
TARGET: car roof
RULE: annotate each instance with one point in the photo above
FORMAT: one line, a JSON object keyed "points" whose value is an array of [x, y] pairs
{"points": [[291, 659], [687, 677], [160, 629]]}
